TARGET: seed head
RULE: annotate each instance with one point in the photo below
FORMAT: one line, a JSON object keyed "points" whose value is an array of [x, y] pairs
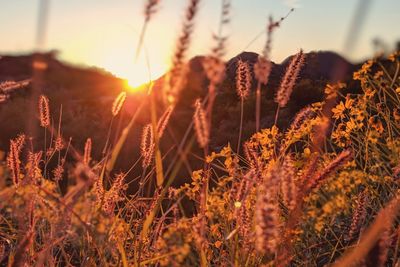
{"points": [[243, 79], [44, 111], [147, 145], [118, 103], [201, 124], [289, 79]]}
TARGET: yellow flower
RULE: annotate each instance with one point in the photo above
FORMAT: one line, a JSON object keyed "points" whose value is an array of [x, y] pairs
{"points": [[392, 57], [396, 114], [218, 244], [378, 74], [327, 208], [238, 204], [372, 136], [376, 123], [369, 93], [332, 89], [350, 126], [319, 226], [367, 66], [338, 111], [349, 102]]}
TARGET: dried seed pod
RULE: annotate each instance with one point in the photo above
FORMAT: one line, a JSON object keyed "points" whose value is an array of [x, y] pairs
{"points": [[289, 79], [147, 145], [201, 124], [243, 79], [118, 103], [44, 111]]}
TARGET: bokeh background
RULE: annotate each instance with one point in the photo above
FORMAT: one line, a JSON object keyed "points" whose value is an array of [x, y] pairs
{"points": [[105, 33]]}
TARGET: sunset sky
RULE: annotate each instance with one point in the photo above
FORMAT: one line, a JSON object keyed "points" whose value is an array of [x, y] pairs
{"points": [[104, 33]]}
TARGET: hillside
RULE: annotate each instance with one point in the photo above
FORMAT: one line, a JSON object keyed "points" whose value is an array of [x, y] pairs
{"points": [[86, 95]]}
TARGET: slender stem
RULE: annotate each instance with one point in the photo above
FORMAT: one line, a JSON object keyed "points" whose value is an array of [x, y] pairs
{"points": [[241, 125], [277, 115], [141, 39], [45, 152], [258, 106], [108, 137]]}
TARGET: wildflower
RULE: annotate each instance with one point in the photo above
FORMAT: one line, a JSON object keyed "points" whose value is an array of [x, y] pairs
{"points": [[341, 136], [243, 79], [376, 124], [338, 111], [369, 93], [351, 125], [44, 111], [396, 114], [332, 89], [118, 103], [394, 56], [373, 136], [289, 79], [360, 74], [366, 67], [378, 74], [218, 244]]}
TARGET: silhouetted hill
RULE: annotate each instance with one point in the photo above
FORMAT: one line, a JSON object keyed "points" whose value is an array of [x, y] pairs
{"points": [[86, 96]]}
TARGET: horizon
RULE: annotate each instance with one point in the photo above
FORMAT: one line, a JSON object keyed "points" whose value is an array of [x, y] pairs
{"points": [[110, 44]]}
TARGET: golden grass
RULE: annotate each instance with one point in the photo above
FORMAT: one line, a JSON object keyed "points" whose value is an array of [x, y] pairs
{"points": [[323, 191]]}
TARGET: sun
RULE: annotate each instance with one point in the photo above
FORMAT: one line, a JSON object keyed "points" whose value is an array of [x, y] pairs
{"points": [[132, 85], [137, 78], [135, 72]]}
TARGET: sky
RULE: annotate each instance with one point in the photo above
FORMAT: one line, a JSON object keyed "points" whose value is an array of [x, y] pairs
{"points": [[105, 33]]}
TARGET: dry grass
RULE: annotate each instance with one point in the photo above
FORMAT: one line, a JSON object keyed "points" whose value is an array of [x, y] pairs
{"points": [[323, 191]]}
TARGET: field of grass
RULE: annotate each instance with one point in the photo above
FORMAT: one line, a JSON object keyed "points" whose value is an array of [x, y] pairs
{"points": [[323, 191]]}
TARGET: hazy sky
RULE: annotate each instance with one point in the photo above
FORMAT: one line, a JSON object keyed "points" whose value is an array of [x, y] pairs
{"points": [[104, 33]]}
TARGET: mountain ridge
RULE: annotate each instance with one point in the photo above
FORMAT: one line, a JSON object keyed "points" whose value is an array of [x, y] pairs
{"points": [[87, 94]]}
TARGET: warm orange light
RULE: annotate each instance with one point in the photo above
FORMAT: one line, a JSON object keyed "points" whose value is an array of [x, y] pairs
{"points": [[131, 86]]}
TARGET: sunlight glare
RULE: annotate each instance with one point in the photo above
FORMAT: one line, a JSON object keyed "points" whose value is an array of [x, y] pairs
{"points": [[122, 63]]}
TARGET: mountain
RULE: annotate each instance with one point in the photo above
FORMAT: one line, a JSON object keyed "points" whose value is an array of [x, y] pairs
{"points": [[86, 96]]}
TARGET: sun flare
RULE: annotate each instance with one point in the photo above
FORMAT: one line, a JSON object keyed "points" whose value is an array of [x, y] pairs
{"points": [[136, 72], [133, 86]]}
